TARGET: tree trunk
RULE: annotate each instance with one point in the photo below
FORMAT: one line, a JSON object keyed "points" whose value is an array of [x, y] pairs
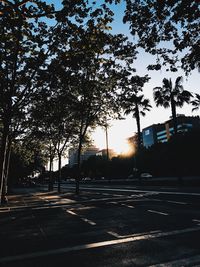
{"points": [[7, 166], [138, 128], [78, 167], [50, 173], [59, 172], [4, 147], [50, 169], [174, 118]]}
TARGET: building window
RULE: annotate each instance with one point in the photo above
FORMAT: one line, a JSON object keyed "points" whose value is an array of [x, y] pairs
{"points": [[164, 136]]}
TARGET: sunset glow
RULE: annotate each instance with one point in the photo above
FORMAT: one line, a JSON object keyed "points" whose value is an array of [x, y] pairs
{"points": [[117, 142], [123, 148]]}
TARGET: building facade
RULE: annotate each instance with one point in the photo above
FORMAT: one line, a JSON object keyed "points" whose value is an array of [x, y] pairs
{"points": [[73, 155], [160, 133]]}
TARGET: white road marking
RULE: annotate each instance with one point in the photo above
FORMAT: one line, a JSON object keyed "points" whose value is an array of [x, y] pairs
{"points": [[195, 220], [158, 212], [71, 212], [87, 221], [5, 210], [81, 217], [83, 208], [53, 205], [141, 191], [182, 262], [128, 206], [113, 234], [132, 235], [95, 245], [176, 202]]}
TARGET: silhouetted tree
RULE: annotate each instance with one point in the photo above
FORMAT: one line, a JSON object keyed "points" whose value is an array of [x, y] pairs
{"points": [[196, 102], [25, 47], [134, 102], [169, 96]]}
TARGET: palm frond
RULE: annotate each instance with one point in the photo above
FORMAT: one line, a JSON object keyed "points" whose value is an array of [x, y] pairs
{"points": [[196, 102], [179, 80], [183, 97], [167, 84]]}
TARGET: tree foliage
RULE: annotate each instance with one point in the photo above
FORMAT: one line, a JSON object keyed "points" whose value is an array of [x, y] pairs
{"points": [[196, 102], [133, 101], [168, 29], [172, 96]]}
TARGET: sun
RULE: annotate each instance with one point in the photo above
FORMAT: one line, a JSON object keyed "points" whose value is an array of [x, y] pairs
{"points": [[123, 148], [117, 141]]}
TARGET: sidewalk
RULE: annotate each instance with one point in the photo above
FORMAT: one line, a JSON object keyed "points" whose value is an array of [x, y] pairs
{"points": [[40, 196], [37, 196]]}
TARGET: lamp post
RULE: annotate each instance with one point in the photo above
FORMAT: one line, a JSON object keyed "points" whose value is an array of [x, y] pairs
{"points": [[107, 150]]}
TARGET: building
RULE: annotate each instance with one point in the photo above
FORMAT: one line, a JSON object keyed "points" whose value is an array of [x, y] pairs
{"points": [[73, 155], [88, 152], [150, 134], [160, 133], [103, 153]]}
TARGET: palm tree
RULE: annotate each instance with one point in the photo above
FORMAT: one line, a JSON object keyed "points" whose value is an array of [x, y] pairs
{"points": [[196, 102], [169, 96], [133, 102]]}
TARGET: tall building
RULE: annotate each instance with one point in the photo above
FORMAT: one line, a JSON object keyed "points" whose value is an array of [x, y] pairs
{"points": [[73, 155], [150, 134], [160, 133]]}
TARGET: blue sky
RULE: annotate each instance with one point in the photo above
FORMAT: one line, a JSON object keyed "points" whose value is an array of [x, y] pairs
{"points": [[120, 130]]}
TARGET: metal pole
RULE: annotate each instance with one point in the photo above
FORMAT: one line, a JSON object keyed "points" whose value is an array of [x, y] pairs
{"points": [[107, 150]]}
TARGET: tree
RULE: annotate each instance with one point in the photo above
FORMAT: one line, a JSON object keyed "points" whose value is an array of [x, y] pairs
{"points": [[167, 29], [53, 119], [23, 39], [133, 101], [92, 58], [28, 44], [196, 102], [169, 96]]}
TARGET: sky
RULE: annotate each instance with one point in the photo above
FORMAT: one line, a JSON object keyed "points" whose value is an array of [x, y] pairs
{"points": [[119, 131]]}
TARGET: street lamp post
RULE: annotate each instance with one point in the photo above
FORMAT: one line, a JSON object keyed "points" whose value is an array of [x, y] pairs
{"points": [[107, 149]]}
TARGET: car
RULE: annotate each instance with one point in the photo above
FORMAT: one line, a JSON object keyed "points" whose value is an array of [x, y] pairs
{"points": [[146, 175], [87, 179]]}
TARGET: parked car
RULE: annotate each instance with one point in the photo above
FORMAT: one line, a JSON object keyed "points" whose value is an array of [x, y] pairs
{"points": [[87, 179], [146, 175]]}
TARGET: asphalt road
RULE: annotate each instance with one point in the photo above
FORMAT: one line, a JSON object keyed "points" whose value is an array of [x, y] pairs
{"points": [[107, 225]]}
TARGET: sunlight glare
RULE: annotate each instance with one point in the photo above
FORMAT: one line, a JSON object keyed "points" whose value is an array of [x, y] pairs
{"points": [[123, 148]]}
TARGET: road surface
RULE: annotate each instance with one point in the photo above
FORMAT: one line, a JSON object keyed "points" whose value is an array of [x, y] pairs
{"points": [[107, 225]]}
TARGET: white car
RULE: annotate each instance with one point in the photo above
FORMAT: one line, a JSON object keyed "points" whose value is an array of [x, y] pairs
{"points": [[87, 179], [146, 175]]}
